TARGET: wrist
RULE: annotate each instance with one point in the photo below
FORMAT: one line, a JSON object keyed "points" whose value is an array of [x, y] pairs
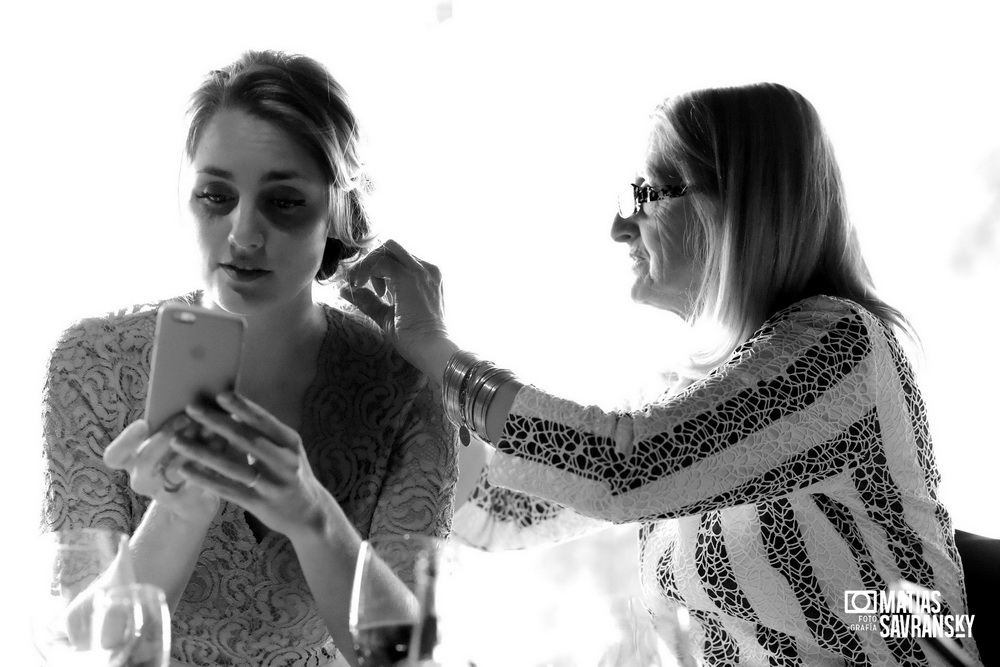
{"points": [[190, 515], [477, 396], [432, 358], [324, 522]]}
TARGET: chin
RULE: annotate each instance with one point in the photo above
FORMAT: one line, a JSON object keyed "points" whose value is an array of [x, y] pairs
{"points": [[242, 302], [678, 304]]}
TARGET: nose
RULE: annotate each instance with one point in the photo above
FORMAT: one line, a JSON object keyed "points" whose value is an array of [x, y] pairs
{"points": [[624, 230], [247, 231]]}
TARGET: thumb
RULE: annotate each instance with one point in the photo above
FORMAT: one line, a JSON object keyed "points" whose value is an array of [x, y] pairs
{"points": [[121, 448]]}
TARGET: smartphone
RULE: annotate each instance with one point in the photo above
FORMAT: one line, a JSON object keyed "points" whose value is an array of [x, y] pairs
{"points": [[196, 354]]}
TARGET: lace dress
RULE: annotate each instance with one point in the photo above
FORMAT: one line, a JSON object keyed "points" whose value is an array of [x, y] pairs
{"points": [[798, 470], [375, 436]]}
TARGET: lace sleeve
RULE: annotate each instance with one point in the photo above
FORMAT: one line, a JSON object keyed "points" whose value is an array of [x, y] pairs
{"points": [[496, 519], [785, 412], [84, 406], [418, 493]]}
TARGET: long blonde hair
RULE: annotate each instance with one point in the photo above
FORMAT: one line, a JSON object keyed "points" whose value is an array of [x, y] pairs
{"points": [[773, 225]]}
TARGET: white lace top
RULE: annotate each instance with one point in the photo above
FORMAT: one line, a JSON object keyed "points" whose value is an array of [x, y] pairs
{"points": [[375, 436], [798, 470]]}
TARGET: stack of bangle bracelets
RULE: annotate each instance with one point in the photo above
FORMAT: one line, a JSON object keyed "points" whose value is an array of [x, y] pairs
{"points": [[470, 385]]}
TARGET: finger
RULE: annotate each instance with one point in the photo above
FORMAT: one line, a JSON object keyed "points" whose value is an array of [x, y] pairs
{"points": [[151, 467], [360, 272], [224, 466], [224, 487], [406, 265], [123, 448], [259, 419], [234, 436], [381, 264], [403, 256], [367, 303], [155, 445], [253, 431]]}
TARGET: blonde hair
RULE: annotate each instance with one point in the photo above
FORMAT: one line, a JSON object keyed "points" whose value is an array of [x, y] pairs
{"points": [[769, 201]]}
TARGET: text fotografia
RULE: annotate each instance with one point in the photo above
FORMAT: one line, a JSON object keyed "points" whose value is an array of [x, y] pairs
{"points": [[900, 613]]}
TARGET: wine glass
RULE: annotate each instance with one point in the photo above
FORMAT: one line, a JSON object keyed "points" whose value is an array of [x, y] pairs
{"points": [[130, 625], [641, 641], [64, 571], [674, 625], [394, 608]]}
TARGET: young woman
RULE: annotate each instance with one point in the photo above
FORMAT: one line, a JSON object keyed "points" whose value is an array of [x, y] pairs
{"points": [[331, 437]]}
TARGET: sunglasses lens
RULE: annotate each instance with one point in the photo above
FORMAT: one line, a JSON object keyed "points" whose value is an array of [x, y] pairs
{"points": [[626, 201]]}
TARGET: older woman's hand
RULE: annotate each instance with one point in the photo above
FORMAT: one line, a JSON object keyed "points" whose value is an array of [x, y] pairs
{"points": [[153, 467], [405, 298], [256, 461]]}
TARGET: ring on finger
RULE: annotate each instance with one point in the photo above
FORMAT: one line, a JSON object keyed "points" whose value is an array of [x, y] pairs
{"points": [[256, 478], [168, 485]]}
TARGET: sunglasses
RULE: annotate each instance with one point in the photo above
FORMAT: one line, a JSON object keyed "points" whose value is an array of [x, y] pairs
{"points": [[631, 198]]}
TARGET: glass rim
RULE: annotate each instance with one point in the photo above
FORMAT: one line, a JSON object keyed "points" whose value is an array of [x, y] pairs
{"points": [[143, 586]]}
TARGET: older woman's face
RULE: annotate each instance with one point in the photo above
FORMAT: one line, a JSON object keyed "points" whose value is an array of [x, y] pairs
{"points": [[260, 205], [666, 275]]}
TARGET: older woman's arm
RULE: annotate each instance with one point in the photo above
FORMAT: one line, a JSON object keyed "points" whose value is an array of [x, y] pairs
{"points": [[786, 413], [764, 424]]}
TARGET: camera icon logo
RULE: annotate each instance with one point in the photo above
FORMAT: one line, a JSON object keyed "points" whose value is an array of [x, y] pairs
{"points": [[860, 602]]}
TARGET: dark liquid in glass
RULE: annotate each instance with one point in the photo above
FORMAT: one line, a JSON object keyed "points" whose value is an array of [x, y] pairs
{"points": [[386, 645]]}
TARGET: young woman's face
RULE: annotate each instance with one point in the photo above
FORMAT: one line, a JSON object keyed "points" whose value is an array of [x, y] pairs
{"points": [[260, 205], [666, 274]]}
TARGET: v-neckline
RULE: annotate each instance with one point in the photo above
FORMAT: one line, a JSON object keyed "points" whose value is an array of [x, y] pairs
{"points": [[258, 531]]}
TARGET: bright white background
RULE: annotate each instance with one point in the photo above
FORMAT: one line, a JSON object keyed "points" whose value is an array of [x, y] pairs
{"points": [[497, 137]]}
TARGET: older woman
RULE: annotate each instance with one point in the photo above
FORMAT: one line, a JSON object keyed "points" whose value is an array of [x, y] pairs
{"points": [[342, 439], [796, 458]]}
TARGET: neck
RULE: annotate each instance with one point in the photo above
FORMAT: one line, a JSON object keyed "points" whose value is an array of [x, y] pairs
{"points": [[279, 333]]}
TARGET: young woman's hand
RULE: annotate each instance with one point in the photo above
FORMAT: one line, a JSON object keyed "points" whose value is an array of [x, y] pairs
{"points": [[255, 461], [153, 467], [405, 297]]}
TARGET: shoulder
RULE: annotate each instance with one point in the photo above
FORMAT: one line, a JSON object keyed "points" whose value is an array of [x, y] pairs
{"points": [[821, 318], [359, 344], [817, 331], [124, 332]]}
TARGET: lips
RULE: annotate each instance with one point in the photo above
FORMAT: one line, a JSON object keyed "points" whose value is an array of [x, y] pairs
{"points": [[638, 258], [243, 272]]}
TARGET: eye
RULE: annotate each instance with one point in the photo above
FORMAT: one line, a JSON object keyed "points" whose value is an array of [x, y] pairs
{"points": [[286, 204], [213, 201], [214, 198]]}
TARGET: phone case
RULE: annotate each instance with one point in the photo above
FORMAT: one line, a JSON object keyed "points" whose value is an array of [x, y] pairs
{"points": [[196, 353]]}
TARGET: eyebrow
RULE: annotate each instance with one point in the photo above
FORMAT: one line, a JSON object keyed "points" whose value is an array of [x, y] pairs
{"points": [[274, 175]]}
